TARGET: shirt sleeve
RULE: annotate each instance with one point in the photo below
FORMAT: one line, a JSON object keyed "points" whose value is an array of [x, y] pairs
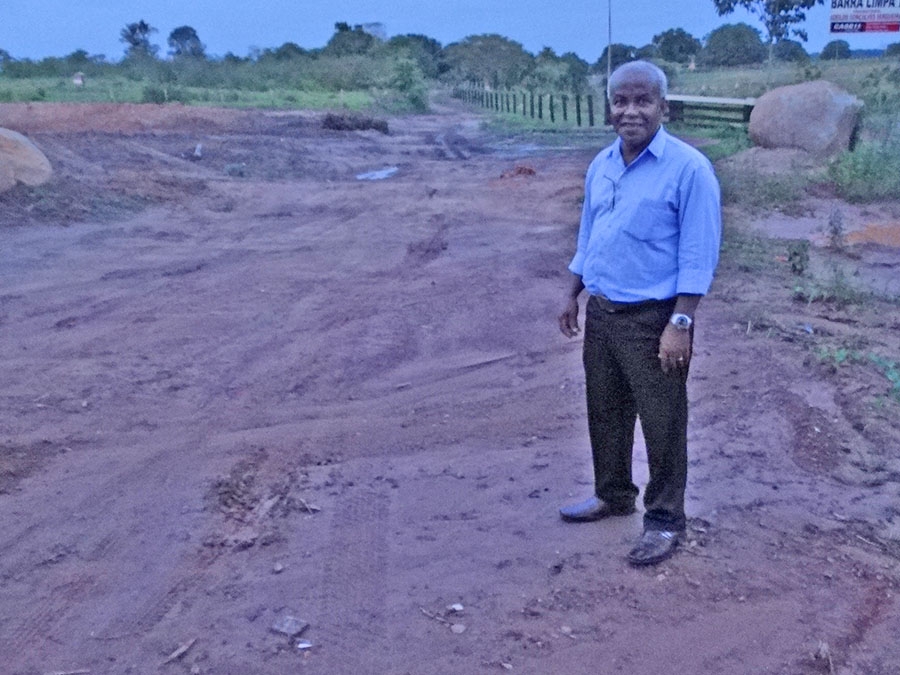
{"points": [[584, 230], [700, 223]]}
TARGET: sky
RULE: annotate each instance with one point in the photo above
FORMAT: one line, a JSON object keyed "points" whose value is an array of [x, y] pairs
{"points": [[37, 28]]}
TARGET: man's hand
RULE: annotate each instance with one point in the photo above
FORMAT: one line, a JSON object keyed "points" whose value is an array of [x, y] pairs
{"points": [[675, 349], [568, 319]]}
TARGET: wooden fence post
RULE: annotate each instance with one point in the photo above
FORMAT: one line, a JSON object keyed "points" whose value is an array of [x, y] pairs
{"points": [[515, 98], [578, 109], [540, 106], [524, 113], [552, 114], [531, 106], [590, 99], [565, 102]]}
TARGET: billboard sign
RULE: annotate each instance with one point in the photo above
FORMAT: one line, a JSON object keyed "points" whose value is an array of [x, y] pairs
{"points": [[865, 16]]}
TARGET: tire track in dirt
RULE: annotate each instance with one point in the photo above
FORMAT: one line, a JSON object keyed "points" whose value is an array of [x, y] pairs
{"points": [[78, 555], [355, 575]]}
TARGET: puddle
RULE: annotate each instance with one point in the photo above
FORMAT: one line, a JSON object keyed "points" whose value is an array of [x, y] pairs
{"points": [[886, 234], [380, 174]]}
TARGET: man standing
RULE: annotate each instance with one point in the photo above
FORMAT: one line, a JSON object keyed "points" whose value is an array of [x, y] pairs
{"points": [[647, 249]]}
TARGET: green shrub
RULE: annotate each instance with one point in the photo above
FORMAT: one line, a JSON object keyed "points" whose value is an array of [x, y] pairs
{"points": [[160, 94], [868, 173], [756, 191]]}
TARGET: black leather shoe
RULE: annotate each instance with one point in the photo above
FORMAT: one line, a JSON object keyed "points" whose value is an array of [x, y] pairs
{"points": [[593, 509], [654, 547]]}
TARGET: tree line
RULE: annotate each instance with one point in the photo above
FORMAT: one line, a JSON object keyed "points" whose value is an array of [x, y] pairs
{"points": [[363, 57]]}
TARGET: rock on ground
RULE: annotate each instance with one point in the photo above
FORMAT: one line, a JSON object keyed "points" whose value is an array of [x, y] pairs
{"points": [[818, 117], [21, 161]]}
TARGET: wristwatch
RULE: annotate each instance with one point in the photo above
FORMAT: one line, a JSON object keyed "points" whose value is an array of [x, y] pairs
{"points": [[681, 321]]}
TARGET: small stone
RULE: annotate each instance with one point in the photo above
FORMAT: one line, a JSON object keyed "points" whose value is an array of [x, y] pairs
{"points": [[277, 568], [455, 607], [304, 645], [290, 626], [458, 628], [195, 669]]}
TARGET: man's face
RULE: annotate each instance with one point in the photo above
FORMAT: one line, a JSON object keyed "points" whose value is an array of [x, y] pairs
{"points": [[636, 111]]}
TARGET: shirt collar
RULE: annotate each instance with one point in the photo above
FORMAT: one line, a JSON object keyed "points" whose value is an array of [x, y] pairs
{"points": [[655, 148]]}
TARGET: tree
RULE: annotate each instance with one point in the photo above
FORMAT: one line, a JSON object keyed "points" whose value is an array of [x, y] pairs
{"points": [[137, 37], [286, 52], [576, 76], [677, 45], [565, 74], [892, 50], [348, 41], [492, 59], [620, 54], [425, 51], [647, 53], [780, 17], [790, 50], [733, 45], [184, 42], [836, 49]]}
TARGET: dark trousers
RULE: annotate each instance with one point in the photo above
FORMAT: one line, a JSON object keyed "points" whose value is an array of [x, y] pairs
{"points": [[625, 382]]}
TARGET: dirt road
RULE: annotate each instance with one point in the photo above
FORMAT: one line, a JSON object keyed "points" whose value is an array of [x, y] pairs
{"points": [[252, 386]]}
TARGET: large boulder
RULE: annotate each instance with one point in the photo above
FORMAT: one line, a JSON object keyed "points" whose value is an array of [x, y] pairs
{"points": [[21, 161], [818, 117]]}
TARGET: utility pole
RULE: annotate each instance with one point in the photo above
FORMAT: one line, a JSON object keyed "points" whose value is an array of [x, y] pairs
{"points": [[608, 39]]}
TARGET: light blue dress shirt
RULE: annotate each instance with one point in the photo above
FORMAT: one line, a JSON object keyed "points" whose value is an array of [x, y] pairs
{"points": [[650, 230]]}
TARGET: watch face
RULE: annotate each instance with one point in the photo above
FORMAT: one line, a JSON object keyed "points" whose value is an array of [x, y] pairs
{"points": [[681, 321]]}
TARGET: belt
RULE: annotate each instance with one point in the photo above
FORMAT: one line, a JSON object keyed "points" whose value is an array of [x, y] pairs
{"points": [[613, 307]]}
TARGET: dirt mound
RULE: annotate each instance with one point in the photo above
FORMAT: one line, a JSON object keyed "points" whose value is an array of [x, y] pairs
{"points": [[118, 118]]}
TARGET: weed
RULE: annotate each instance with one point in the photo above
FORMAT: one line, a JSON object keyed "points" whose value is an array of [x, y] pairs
{"points": [[839, 356], [869, 173], [836, 235], [746, 251], [798, 256], [837, 290], [756, 191], [725, 140], [845, 356], [891, 370], [811, 72]]}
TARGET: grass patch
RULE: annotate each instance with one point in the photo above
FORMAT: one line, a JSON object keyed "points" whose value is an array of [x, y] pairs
{"points": [[869, 173], [718, 142], [854, 75], [747, 251], [836, 290], [118, 89], [842, 356], [756, 191]]}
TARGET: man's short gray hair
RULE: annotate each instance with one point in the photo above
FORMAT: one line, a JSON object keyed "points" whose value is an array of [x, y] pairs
{"points": [[643, 68]]}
